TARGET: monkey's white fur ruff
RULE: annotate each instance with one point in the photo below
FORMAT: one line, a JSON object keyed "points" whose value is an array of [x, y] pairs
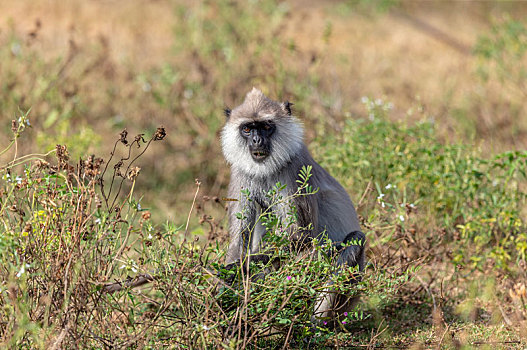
{"points": [[287, 139]]}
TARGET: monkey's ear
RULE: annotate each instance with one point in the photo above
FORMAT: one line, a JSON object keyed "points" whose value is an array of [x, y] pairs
{"points": [[227, 112], [287, 107]]}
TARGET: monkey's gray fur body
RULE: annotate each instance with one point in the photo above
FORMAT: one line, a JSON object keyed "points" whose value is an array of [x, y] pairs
{"points": [[329, 211]]}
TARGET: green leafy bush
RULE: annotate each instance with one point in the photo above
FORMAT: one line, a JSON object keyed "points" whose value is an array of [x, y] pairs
{"points": [[477, 200]]}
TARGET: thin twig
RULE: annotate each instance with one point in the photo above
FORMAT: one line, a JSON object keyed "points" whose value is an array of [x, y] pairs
{"points": [[368, 189], [286, 341], [479, 342], [128, 168], [60, 338], [443, 337], [104, 172], [428, 291], [371, 344], [136, 282], [198, 183], [506, 319], [23, 159]]}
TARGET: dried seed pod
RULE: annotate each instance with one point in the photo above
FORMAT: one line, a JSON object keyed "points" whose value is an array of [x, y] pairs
{"points": [[123, 136], [132, 174], [139, 138], [160, 134]]}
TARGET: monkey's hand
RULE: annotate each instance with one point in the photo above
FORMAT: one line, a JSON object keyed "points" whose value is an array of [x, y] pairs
{"points": [[228, 272], [351, 250]]}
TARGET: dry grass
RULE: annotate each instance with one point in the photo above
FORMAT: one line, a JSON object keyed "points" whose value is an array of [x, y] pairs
{"points": [[375, 56], [139, 32]]}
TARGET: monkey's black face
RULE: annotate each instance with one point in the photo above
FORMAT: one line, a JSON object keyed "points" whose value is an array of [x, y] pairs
{"points": [[258, 137]]}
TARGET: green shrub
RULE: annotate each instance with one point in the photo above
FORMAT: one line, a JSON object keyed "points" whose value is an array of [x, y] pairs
{"points": [[476, 200]]}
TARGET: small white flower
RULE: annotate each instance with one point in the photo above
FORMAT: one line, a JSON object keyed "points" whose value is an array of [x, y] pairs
{"points": [[117, 118], [18, 180], [412, 205], [378, 102], [122, 266], [22, 271], [364, 99], [147, 87], [389, 186], [150, 236], [205, 328], [98, 221], [401, 217], [15, 49], [380, 196], [28, 123], [431, 120], [138, 206], [188, 93], [402, 205], [382, 204], [134, 269]]}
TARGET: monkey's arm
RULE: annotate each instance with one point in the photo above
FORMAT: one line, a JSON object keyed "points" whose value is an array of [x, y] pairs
{"points": [[305, 227]]}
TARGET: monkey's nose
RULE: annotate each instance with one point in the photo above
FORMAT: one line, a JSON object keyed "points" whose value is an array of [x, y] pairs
{"points": [[257, 140]]}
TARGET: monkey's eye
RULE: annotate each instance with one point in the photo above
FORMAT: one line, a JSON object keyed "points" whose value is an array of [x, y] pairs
{"points": [[246, 129]]}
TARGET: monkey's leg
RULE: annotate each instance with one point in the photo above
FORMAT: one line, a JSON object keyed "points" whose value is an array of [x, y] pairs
{"points": [[237, 252], [329, 304]]}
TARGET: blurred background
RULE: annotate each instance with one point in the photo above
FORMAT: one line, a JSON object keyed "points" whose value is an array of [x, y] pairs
{"points": [[88, 69]]}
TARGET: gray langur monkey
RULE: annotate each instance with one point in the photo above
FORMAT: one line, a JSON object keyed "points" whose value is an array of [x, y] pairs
{"points": [[263, 142]]}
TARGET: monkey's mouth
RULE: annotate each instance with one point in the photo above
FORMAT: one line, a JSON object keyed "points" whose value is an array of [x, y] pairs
{"points": [[259, 155]]}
